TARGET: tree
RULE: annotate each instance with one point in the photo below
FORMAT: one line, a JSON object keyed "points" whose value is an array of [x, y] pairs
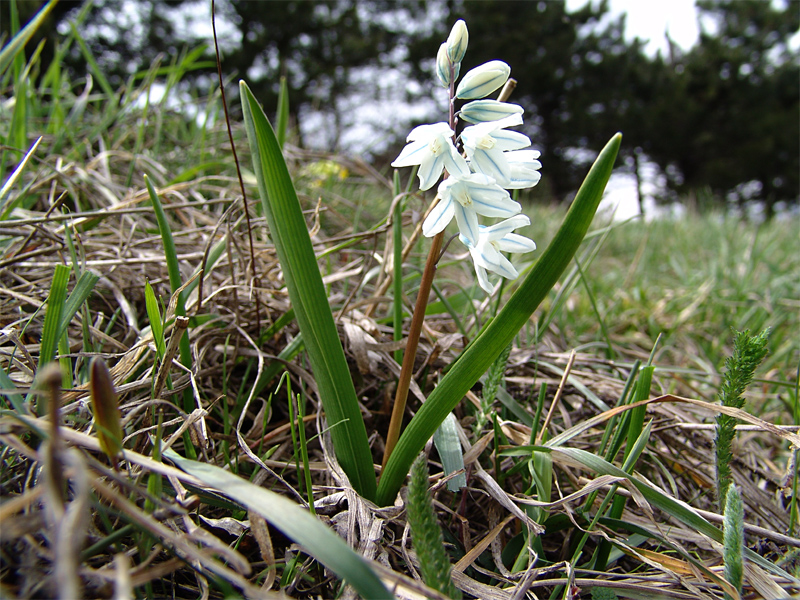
{"points": [[728, 119]]}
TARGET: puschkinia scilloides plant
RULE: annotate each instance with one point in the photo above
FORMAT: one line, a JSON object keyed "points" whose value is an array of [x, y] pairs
{"points": [[470, 189]]}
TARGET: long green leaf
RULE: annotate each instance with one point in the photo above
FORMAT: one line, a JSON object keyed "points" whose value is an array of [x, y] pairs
{"points": [[173, 268], [294, 522], [477, 358], [304, 283]]}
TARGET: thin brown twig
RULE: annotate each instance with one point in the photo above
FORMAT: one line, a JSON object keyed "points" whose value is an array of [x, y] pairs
{"points": [[556, 398], [256, 283]]}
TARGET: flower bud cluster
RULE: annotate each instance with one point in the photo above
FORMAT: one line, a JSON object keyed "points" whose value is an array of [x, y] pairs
{"points": [[494, 160]]}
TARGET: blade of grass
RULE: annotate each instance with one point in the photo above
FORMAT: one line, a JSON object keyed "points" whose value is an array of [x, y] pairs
{"points": [[304, 283], [499, 333], [52, 321], [8, 387], [15, 175], [156, 324], [296, 523], [173, 268], [283, 112], [397, 264], [13, 49]]}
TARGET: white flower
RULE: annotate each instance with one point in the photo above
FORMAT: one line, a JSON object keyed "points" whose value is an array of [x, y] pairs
{"points": [[466, 197], [457, 41], [480, 111], [486, 142], [483, 80], [431, 147], [492, 241], [524, 169]]}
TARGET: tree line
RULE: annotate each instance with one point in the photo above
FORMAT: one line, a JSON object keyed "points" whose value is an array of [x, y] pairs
{"points": [[720, 120]]}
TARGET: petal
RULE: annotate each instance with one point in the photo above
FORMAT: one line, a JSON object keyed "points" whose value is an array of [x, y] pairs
{"points": [[430, 170], [509, 121], [483, 280], [505, 207], [457, 41], [493, 261], [483, 80], [481, 111], [455, 163], [413, 154], [510, 140], [491, 162], [438, 218], [516, 243], [499, 230], [518, 182], [443, 65], [524, 156], [467, 223], [427, 132]]}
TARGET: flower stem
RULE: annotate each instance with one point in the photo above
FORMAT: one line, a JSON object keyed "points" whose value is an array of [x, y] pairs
{"points": [[407, 370], [425, 284]]}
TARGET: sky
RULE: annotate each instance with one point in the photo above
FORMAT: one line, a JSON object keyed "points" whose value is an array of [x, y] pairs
{"points": [[651, 19], [647, 20]]}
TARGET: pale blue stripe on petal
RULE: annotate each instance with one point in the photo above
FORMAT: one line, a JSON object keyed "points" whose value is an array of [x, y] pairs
{"points": [[467, 222], [429, 171]]}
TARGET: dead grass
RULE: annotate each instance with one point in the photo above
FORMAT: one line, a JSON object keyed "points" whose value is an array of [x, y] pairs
{"points": [[101, 538]]}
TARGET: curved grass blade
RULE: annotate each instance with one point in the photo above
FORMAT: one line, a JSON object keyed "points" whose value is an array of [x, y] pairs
{"points": [[17, 43], [283, 112], [289, 232], [499, 333], [293, 521]]}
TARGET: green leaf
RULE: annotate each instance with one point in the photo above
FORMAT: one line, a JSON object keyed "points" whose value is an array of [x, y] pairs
{"points": [[154, 315], [477, 358], [52, 320], [80, 293], [294, 522], [289, 232]]}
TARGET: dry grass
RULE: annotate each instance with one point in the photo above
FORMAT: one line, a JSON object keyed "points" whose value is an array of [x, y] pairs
{"points": [[109, 534]]}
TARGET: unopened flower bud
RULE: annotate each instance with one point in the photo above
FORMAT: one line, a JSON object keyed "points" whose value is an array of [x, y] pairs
{"points": [[483, 80], [481, 111], [443, 64], [106, 410], [457, 41]]}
